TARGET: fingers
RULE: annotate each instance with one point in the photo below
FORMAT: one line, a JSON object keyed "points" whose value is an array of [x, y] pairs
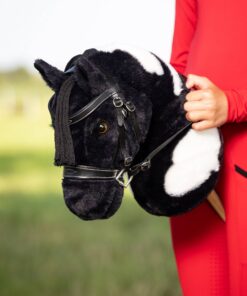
{"points": [[200, 102], [200, 105], [195, 116], [200, 119], [196, 95], [204, 124], [198, 82], [196, 105]]}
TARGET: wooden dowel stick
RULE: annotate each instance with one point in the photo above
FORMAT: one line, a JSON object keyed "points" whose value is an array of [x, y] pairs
{"points": [[216, 204]]}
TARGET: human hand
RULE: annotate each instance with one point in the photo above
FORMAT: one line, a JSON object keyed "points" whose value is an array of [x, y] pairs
{"points": [[207, 105]]}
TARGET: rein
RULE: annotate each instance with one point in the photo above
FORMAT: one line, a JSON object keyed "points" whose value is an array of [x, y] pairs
{"points": [[124, 110]]}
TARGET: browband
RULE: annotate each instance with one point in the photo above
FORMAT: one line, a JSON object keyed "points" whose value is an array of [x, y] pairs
{"points": [[92, 105]]}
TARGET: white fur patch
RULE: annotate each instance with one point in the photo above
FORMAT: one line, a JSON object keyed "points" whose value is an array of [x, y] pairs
{"points": [[177, 82], [194, 158], [148, 61]]}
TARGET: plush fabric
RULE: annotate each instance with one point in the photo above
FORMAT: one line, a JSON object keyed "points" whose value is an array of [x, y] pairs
{"points": [[181, 175]]}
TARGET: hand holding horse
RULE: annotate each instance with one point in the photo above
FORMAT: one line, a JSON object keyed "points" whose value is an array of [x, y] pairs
{"points": [[207, 105]]}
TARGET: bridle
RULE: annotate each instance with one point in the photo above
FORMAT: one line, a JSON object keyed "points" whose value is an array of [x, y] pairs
{"points": [[125, 109]]}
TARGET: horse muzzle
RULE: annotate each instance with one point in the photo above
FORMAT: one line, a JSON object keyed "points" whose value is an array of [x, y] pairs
{"points": [[92, 199]]}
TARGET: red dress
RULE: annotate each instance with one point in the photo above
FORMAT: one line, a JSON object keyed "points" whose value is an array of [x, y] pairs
{"points": [[210, 39]]}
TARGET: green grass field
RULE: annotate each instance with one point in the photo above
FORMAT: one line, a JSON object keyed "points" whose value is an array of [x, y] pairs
{"points": [[46, 250]]}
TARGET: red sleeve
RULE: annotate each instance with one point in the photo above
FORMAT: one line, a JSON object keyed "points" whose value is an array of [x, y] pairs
{"points": [[184, 27], [237, 105]]}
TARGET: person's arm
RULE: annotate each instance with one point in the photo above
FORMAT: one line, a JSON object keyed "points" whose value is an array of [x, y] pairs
{"points": [[237, 105], [184, 27]]}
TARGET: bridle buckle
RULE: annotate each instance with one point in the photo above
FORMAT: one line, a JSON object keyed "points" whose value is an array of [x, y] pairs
{"points": [[117, 101], [145, 165], [130, 106], [120, 175], [128, 160]]}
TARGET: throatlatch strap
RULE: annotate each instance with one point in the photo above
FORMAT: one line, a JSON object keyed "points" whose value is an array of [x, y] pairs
{"points": [[64, 154]]}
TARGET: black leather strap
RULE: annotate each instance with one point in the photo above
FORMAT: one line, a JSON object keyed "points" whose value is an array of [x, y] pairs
{"points": [[135, 125], [88, 172], [146, 163], [92, 105], [164, 144], [91, 172]]}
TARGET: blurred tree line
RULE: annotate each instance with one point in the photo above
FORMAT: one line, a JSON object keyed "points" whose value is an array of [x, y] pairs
{"points": [[22, 93]]}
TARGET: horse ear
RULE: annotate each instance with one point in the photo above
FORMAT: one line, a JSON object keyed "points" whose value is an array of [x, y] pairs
{"points": [[86, 71], [51, 75]]}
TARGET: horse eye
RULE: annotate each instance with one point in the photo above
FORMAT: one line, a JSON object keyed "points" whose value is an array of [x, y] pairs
{"points": [[102, 127]]}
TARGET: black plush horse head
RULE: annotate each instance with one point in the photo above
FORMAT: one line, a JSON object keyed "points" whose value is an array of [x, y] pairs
{"points": [[119, 110]]}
